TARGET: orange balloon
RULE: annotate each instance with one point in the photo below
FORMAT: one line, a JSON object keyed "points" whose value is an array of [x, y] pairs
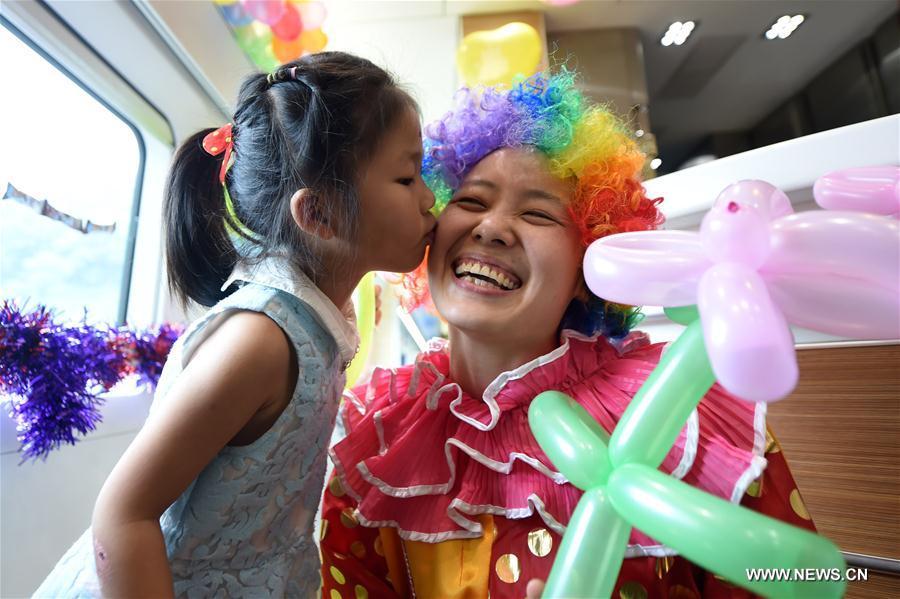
{"points": [[286, 51], [313, 40]]}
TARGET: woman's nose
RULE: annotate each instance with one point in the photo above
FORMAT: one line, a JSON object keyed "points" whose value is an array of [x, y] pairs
{"points": [[493, 230]]}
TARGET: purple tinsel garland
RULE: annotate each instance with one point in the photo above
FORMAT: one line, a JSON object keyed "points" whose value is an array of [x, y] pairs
{"points": [[53, 374]]}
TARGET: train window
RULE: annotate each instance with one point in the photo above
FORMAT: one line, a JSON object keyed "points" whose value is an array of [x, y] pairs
{"points": [[70, 171]]}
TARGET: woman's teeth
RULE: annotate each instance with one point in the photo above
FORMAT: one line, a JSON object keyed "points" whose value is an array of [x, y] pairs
{"points": [[483, 275]]}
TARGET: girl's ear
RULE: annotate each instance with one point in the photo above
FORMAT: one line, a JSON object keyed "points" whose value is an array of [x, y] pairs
{"points": [[306, 209]]}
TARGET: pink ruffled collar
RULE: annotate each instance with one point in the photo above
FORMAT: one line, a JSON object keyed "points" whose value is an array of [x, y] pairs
{"points": [[425, 457]]}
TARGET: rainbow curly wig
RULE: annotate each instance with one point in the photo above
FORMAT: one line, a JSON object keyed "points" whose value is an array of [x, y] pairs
{"points": [[580, 139]]}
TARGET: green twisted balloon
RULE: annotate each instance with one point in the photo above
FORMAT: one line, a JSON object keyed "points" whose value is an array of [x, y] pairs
{"points": [[623, 488]]}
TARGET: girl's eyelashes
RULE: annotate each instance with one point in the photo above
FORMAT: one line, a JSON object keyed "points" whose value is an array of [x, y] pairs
{"points": [[407, 181]]}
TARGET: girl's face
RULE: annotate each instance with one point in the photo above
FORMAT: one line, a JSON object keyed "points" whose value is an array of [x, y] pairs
{"points": [[506, 259], [395, 222]]}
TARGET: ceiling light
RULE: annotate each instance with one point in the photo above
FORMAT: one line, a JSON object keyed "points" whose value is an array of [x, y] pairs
{"points": [[784, 27], [655, 163], [677, 33]]}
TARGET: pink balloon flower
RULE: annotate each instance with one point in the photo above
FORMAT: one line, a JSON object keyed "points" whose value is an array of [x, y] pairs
{"points": [[753, 268], [873, 189]]}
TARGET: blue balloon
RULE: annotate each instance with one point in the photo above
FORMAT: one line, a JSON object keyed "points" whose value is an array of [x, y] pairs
{"points": [[235, 14]]}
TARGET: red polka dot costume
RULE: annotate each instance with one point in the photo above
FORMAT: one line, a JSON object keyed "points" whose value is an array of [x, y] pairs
{"points": [[440, 494]]}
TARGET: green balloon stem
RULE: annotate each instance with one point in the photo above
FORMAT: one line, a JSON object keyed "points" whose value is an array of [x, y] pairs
{"points": [[625, 489], [571, 438], [682, 314], [726, 538], [590, 555], [656, 415]]}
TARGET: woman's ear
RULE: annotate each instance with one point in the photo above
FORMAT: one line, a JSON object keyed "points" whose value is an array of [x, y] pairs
{"points": [[306, 210], [581, 290]]}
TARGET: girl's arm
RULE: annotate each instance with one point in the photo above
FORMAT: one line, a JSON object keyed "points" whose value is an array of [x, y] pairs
{"points": [[236, 384]]}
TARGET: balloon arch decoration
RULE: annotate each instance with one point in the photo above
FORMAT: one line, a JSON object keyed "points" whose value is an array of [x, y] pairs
{"points": [[272, 32]]}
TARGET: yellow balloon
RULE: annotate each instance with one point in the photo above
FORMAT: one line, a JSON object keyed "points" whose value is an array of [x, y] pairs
{"points": [[365, 322], [500, 55], [313, 40], [224, 2]]}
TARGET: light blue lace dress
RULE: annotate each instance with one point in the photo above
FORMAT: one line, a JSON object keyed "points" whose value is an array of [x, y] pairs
{"points": [[244, 527]]}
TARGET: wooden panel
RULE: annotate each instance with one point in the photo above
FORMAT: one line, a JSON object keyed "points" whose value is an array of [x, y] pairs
{"points": [[840, 430], [878, 586]]}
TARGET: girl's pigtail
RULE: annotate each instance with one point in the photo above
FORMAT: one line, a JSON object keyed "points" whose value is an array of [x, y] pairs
{"points": [[199, 249]]}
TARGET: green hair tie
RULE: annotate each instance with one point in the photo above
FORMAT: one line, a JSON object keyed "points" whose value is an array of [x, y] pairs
{"points": [[232, 223]]}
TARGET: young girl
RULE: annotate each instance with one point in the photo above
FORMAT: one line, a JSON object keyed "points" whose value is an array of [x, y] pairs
{"points": [[271, 220], [441, 489]]}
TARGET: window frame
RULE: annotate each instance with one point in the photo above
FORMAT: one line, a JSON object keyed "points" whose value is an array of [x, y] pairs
{"points": [[131, 237]]}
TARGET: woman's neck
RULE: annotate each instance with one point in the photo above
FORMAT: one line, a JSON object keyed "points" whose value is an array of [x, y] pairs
{"points": [[476, 361]]}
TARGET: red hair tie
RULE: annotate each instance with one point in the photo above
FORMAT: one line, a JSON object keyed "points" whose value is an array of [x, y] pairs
{"points": [[217, 142]]}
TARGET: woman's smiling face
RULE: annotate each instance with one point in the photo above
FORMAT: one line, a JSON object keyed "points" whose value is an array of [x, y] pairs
{"points": [[506, 259]]}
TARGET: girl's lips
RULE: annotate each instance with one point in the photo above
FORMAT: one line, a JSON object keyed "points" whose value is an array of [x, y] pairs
{"points": [[429, 236]]}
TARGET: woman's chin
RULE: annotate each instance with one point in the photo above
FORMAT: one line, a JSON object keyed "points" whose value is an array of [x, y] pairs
{"points": [[478, 327], [477, 308], [470, 315]]}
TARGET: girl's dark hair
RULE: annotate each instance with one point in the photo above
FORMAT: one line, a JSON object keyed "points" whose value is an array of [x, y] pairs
{"points": [[312, 124]]}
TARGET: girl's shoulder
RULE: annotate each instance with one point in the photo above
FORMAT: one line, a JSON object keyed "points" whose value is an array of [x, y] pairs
{"points": [[263, 328], [265, 312], [278, 288], [252, 335]]}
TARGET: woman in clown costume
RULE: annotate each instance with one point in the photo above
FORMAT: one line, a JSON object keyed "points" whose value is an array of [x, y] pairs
{"points": [[440, 489]]}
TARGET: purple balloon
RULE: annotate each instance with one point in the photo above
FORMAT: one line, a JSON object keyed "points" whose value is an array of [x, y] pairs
{"points": [[843, 244], [873, 189], [265, 11], [838, 305], [750, 347], [735, 232], [656, 268], [235, 15], [754, 267], [765, 197]]}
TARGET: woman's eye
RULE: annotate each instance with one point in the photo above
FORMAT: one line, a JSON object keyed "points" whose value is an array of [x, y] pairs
{"points": [[468, 202], [540, 215]]}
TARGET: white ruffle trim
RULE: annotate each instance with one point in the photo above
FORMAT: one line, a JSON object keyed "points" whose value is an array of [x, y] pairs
{"points": [[758, 463], [458, 509]]}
